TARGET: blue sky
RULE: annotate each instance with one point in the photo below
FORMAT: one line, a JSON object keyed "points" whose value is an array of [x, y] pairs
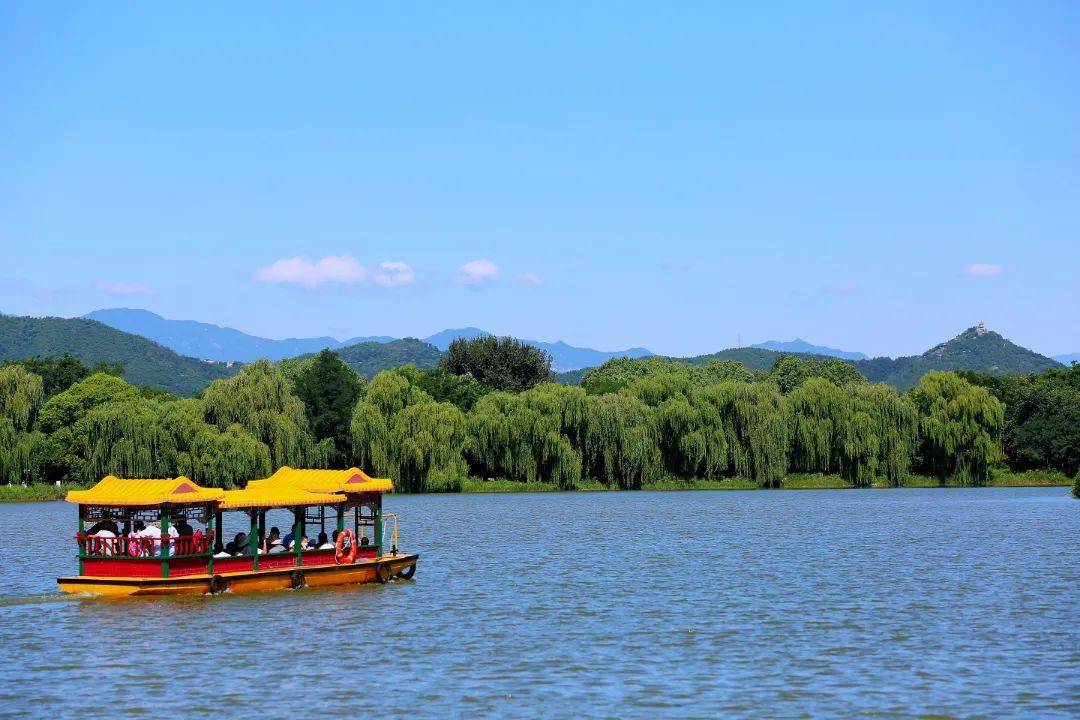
{"points": [[675, 176]]}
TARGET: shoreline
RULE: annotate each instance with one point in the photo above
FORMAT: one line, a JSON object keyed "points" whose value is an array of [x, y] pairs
{"points": [[473, 486], [1036, 478]]}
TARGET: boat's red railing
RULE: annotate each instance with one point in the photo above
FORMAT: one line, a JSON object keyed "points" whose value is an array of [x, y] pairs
{"points": [[198, 543]]}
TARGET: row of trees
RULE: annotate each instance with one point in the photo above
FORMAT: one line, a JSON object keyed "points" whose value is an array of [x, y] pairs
{"points": [[631, 423]]}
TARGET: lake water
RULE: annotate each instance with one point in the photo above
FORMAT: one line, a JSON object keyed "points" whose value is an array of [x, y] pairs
{"points": [[892, 603]]}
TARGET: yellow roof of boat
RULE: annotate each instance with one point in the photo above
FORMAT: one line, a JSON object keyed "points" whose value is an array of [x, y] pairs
{"points": [[270, 497], [115, 491], [353, 480]]}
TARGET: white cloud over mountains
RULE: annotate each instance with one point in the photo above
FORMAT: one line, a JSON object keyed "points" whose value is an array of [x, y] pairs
{"points": [[334, 270], [478, 273]]}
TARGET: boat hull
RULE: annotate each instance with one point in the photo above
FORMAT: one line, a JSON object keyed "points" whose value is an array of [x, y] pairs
{"points": [[360, 572]]}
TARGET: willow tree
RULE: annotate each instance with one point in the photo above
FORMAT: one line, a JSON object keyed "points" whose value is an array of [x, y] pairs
{"points": [[425, 443], [860, 431], [894, 422], [621, 441], [754, 421], [211, 456], [529, 436], [821, 414], [15, 451], [21, 395], [126, 439], [387, 395], [960, 426], [224, 459], [261, 400]]}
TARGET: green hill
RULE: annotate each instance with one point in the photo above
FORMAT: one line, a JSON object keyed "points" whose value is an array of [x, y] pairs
{"points": [[984, 351], [144, 362], [371, 358]]}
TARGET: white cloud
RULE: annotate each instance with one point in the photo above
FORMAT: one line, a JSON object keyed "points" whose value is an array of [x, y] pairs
{"points": [[333, 270], [983, 270], [531, 278], [478, 273], [126, 288], [394, 272]]}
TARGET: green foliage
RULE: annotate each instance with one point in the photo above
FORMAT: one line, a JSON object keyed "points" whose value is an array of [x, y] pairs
{"points": [[65, 409], [861, 431], [261, 400], [15, 451], [791, 371], [500, 363], [960, 425], [461, 390], [329, 390], [1042, 417], [622, 445], [530, 436], [619, 373], [60, 373], [143, 362], [754, 420], [21, 394]]}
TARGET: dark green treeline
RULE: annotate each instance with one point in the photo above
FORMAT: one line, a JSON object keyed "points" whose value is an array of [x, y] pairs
{"points": [[631, 423]]}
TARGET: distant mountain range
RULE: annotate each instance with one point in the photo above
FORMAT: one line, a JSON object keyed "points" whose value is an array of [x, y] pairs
{"points": [[798, 345], [151, 364], [1068, 359], [145, 362], [213, 342]]}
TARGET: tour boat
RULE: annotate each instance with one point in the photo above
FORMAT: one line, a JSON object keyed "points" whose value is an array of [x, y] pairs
{"points": [[136, 537]]}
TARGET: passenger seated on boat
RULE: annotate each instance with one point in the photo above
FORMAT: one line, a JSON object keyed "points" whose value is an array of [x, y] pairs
{"points": [[106, 531], [183, 528], [323, 543], [239, 545], [147, 538], [364, 540], [274, 544]]}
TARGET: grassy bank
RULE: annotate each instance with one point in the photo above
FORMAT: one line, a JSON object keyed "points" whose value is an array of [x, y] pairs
{"points": [[1000, 478], [36, 493]]}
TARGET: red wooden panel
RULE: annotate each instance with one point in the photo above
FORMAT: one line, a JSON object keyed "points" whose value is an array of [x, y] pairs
{"points": [[187, 566], [277, 560], [319, 557], [107, 567], [231, 564]]}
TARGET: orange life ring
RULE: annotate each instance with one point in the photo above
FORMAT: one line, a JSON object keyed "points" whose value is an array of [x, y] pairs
{"points": [[340, 556]]}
